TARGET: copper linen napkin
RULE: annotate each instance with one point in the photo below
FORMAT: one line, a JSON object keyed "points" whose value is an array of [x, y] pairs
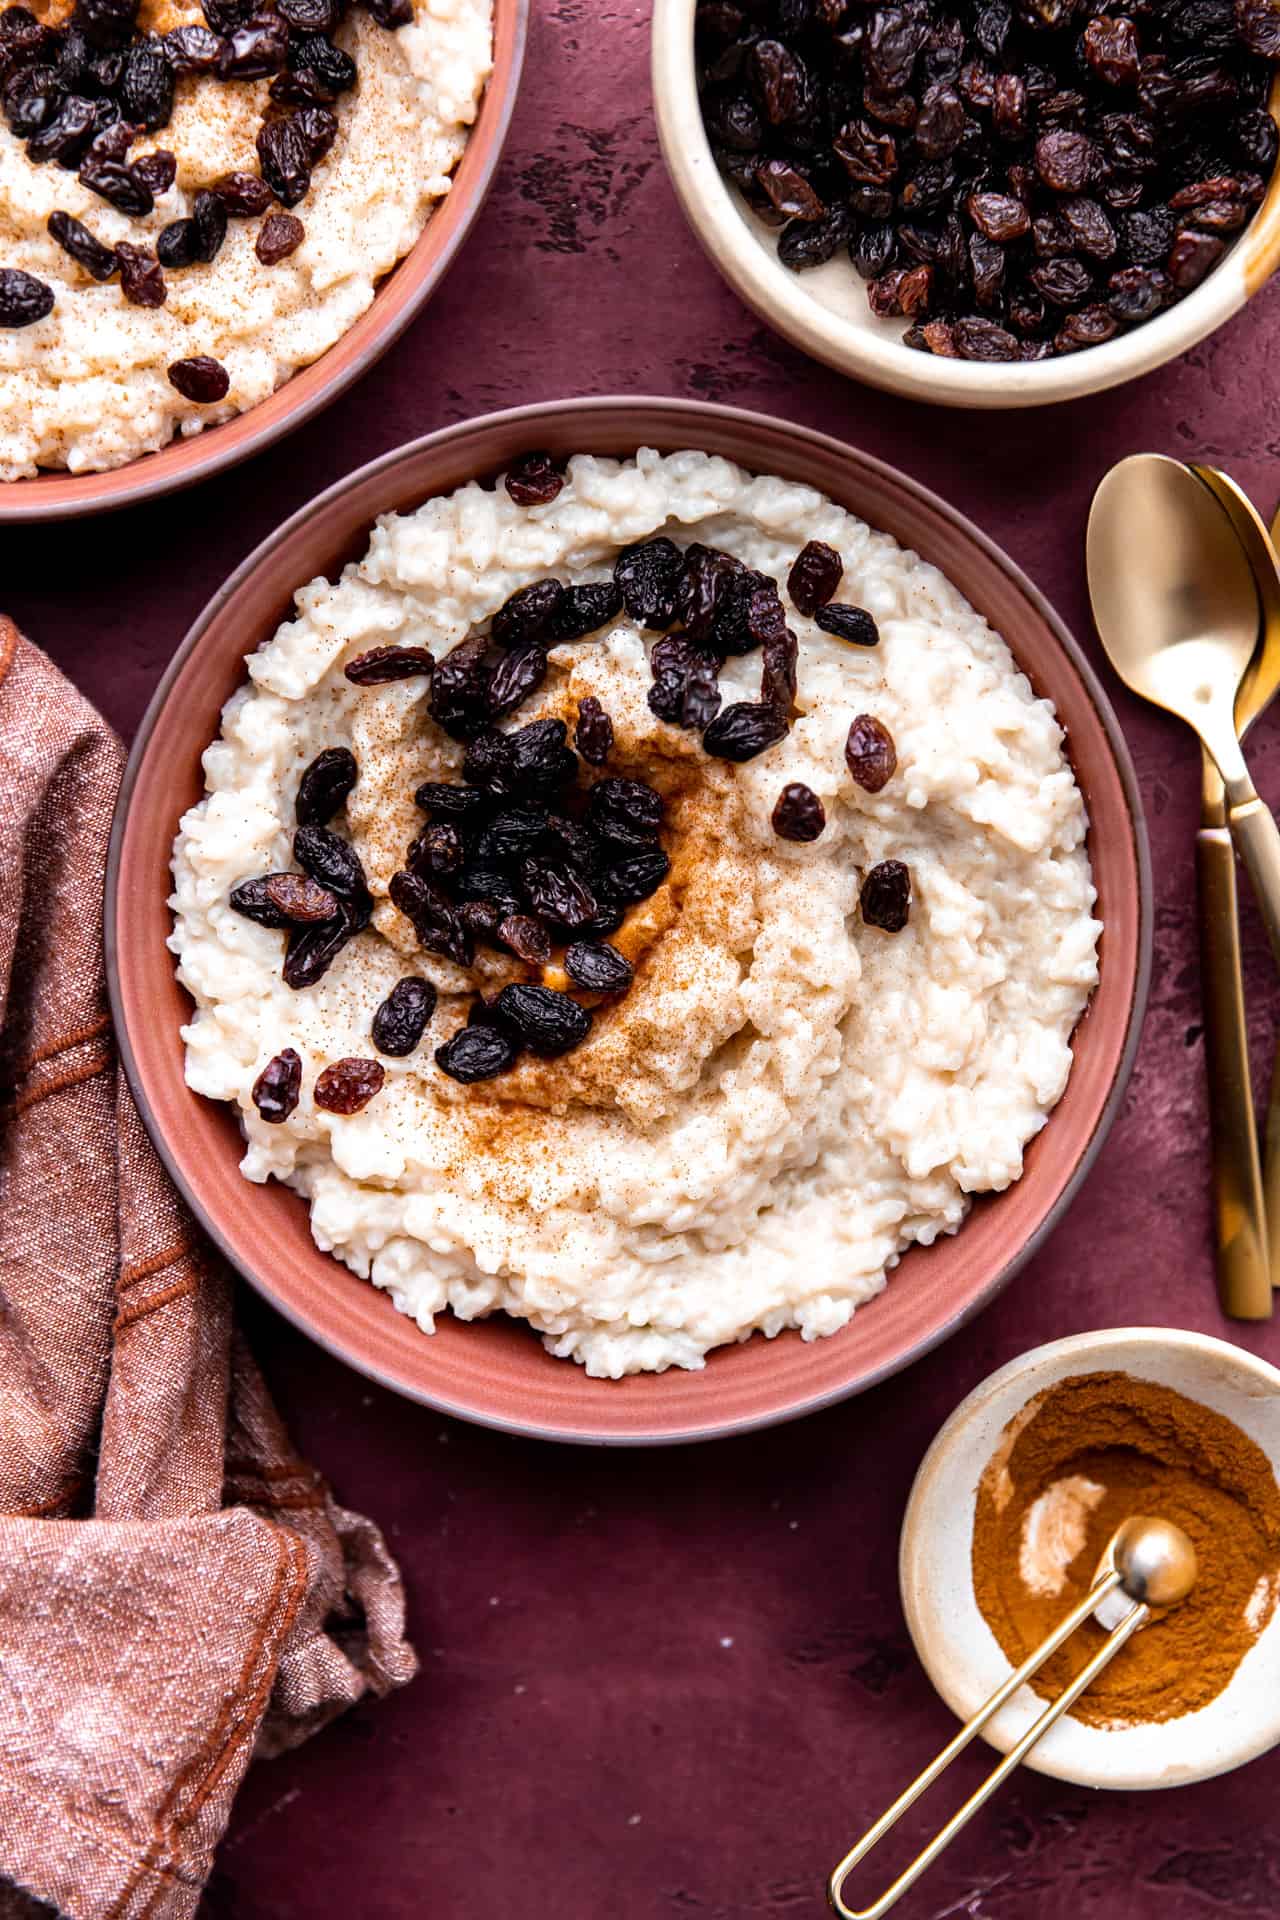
{"points": [[177, 1588]]}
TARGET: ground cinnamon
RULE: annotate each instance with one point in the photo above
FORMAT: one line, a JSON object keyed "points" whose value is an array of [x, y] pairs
{"points": [[1078, 1460]]}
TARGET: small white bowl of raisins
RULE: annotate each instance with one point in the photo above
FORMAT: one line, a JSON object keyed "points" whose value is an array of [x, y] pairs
{"points": [[988, 203]]}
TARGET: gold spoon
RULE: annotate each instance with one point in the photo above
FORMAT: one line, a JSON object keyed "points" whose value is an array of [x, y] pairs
{"points": [[1154, 1564], [1176, 607], [1247, 1195]]}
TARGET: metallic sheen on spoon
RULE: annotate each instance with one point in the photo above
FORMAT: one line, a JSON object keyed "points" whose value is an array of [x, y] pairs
{"points": [[1176, 607]]}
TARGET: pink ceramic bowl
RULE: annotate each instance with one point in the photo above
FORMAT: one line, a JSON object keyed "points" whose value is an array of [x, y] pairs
{"points": [[404, 292], [496, 1371]]}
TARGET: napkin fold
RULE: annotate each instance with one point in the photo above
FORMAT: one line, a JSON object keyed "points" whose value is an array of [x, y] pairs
{"points": [[178, 1589]]}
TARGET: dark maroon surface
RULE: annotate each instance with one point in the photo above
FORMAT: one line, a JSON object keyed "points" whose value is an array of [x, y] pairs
{"points": [[676, 1684]]}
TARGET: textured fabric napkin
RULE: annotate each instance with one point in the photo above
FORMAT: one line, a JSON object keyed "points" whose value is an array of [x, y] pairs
{"points": [[177, 1588]]}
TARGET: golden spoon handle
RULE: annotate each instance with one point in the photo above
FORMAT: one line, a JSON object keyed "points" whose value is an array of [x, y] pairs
{"points": [[1254, 830], [925, 1858], [1240, 1212]]}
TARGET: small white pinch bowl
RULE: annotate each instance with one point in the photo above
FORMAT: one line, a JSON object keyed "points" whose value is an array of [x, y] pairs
{"points": [[957, 1648], [824, 310]]}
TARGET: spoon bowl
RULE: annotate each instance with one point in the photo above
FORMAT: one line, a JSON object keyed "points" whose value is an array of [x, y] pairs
{"points": [[1174, 597]]}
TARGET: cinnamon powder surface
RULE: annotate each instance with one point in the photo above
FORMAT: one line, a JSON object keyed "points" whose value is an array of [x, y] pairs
{"points": [[1077, 1461]]}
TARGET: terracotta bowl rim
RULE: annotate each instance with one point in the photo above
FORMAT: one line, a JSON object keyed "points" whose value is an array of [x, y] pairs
{"points": [[702, 416], [782, 300], [184, 461]]}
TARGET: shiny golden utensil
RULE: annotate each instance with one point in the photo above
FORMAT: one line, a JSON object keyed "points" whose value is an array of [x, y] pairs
{"points": [[1246, 1194], [1177, 610], [1155, 1565]]}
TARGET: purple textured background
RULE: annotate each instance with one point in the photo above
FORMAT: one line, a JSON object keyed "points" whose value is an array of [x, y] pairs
{"points": [[676, 1684]]}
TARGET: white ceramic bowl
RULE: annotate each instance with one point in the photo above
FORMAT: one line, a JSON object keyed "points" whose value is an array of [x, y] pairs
{"points": [[957, 1648], [825, 310]]}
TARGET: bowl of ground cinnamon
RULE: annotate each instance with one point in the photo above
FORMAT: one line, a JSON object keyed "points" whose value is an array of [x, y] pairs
{"points": [[1010, 1519]]}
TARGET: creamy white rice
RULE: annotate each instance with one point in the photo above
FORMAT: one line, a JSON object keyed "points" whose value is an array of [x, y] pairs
{"points": [[86, 388], [787, 1098]]}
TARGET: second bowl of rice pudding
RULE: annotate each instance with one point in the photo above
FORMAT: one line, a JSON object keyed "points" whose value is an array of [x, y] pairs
{"points": [[642, 897]]}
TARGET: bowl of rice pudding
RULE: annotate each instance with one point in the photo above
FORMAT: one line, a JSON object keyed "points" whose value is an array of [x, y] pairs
{"points": [[218, 215], [661, 919]]}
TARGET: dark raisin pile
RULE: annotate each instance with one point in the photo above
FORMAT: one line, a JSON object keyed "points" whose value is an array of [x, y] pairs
{"points": [[528, 853], [1016, 178], [80, 95]]}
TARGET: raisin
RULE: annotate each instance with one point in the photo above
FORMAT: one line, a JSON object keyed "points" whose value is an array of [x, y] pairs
{"points": [[533, 480], [106, 23], [815, 574], [65, 137], [193, 49], [325, 786], [556, 892], [583, 610], [1191, 257], [798, 813], [1135, 293], [527, 938], [853, 624], [77, 240], [317, 128], [285, 158], [539, 760], [200, 378], [444, 797], [277, 1087], [489, 762], [647, 576], [481, 918], [1111, 48], [209, 216], [438, 849], [527, 614], [119, 186], [383, 664], [244, 195], [998, 215], [401, 1020], [433, 916], [490, 888], [1063, 282], [348, 1085], [745, 729], [477, 1053], [778, 672], [630, 880], [255, 49], [549, 1022], [299, 900], [885, 898], [311, 16], [178, 244], [628, 812], [870, 754], [155, 171], [252, 901], [312, 950], [811, 243], [701, 697], [460, 689], [146, 91], [789, 192], [280, 235], [778, 81], [1064, 160], [331, 860], [593, 735], [597, 967], [141, 280]]}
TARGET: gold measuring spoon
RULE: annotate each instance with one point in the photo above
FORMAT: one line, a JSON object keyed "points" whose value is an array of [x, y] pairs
{"points": [[1155, 1565], [1246, 1196], [1176, 607]]}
